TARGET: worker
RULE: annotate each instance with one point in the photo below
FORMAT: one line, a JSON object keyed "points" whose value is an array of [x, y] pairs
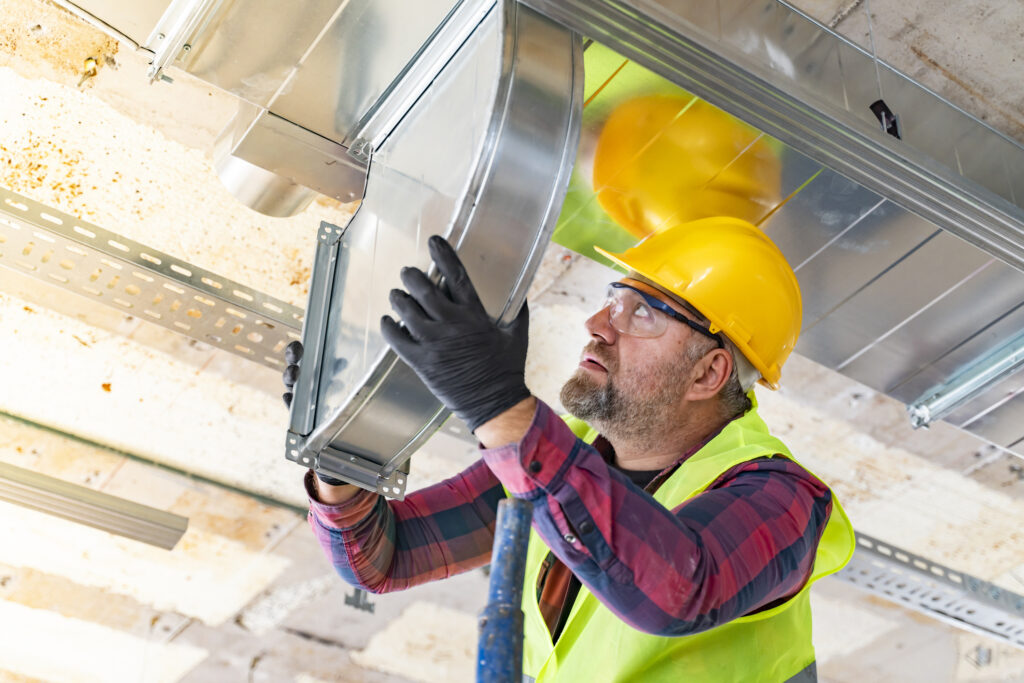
{"points": [[674, 538]]}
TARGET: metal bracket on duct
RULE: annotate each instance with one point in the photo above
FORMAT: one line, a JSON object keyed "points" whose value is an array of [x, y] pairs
{"points": [[482, 157]]}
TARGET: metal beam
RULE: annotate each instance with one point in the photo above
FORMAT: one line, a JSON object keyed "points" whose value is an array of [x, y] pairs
{"points": [[85, 259]]}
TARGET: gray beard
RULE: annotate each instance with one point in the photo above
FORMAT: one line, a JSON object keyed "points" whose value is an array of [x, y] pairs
{"points": [[620, 416], [582, 397]]}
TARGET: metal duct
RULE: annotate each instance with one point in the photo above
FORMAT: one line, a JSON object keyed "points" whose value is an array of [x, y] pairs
{"points": [[275, 167], [483, 157]]}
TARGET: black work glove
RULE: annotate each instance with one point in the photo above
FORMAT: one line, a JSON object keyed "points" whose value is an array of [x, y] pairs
{"points": [[470, 363], [292, 356]]}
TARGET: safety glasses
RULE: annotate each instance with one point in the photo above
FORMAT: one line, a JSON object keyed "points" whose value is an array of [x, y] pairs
{"points": [[637, 313]]}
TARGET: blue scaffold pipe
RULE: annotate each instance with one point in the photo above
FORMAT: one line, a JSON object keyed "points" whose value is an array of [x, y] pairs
{"points": [[500, 649]]}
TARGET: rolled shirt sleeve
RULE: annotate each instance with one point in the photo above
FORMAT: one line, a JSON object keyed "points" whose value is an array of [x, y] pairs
{"points": [[381, 546]]}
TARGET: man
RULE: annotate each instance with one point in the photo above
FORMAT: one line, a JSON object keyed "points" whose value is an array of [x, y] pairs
{"points": [[675, 538]]}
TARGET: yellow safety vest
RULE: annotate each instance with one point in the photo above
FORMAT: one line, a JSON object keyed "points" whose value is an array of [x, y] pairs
{"points": [[773, 645]]}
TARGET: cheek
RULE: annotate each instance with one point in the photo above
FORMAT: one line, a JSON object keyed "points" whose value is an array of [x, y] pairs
{"points": [[642, 367]]}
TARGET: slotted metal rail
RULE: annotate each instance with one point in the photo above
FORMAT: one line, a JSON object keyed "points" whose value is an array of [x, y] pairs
{"points": [[92, 262], [935, 590]]}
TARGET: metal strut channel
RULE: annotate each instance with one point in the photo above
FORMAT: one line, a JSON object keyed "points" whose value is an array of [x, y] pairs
{"points": [[937, 591], [79, 257]]}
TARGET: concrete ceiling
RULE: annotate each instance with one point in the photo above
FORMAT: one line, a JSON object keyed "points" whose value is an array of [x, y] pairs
{"points": [[101, 399]]}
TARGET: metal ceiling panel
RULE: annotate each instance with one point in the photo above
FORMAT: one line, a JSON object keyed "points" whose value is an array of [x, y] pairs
{"points": [[975, 153], [798, 171], [985, 338], [820, 214], [774, 36], [910, 284], [853, 261], [923, 125], [997, 415], [953, 319], [748, 64], [952, 136], [1014, 164]]}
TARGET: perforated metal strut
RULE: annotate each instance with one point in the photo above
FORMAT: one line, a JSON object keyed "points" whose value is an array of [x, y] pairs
{"points": [[89, 261], [937, 591]]}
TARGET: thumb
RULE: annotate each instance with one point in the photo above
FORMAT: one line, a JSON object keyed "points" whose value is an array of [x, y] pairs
{"points": [[520, 327]]}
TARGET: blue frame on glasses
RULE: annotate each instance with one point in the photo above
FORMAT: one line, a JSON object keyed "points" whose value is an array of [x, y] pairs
{"points": [[660, 305]]}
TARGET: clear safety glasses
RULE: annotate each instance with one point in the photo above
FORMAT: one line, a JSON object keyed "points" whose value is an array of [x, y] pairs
{"points": [[639, 314]]}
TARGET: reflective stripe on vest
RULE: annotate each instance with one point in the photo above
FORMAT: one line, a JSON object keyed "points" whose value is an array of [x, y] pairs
{"points": [[774, 645]]}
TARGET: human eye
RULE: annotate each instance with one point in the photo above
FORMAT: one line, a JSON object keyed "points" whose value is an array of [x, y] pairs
{"points": [[641, 311]]}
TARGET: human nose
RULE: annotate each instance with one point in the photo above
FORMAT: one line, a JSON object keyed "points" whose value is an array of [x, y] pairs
{"points": [[600, 327]]}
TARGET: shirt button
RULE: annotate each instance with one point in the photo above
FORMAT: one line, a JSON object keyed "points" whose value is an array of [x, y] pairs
{"points": [[569, 538], [535, 466], [586, 527]]}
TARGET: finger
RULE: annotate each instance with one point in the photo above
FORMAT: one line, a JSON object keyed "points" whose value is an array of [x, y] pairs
{"points": [[396, 336], [293, 353], [290, 375], [520, 327], [412, 314], [454, 272], [431, 299], [287, 396]]}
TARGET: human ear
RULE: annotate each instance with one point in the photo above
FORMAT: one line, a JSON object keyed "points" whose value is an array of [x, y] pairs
{"points": [[710, 373]]}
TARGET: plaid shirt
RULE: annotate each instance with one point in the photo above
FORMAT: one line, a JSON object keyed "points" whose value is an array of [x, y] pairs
{"points": [[744, 544]]}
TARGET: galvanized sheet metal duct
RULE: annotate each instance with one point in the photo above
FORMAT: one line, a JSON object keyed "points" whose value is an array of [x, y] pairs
{"points": [[482, 157]]}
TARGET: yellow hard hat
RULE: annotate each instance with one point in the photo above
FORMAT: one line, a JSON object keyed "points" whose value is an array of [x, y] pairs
{"points": [[735, 276], [666, 159]]}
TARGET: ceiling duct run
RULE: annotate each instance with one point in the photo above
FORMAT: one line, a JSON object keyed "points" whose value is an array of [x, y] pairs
{"points": [[909, 250]]}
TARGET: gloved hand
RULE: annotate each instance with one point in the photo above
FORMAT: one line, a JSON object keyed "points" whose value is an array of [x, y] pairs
{"points": [[292, 356], [473, 365]]}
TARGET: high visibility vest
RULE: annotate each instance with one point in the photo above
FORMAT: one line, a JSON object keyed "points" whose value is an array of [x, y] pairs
{"points": [[773, 645]]}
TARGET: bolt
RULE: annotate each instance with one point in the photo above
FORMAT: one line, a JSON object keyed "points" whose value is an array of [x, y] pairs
{"points": [[186, 47], [160, 36]]}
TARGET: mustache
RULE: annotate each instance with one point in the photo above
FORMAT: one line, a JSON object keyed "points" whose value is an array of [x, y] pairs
{"points": [[600, 351]]}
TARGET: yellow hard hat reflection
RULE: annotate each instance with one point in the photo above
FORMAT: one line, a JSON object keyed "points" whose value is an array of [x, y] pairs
{"points": [[668, 159]]}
